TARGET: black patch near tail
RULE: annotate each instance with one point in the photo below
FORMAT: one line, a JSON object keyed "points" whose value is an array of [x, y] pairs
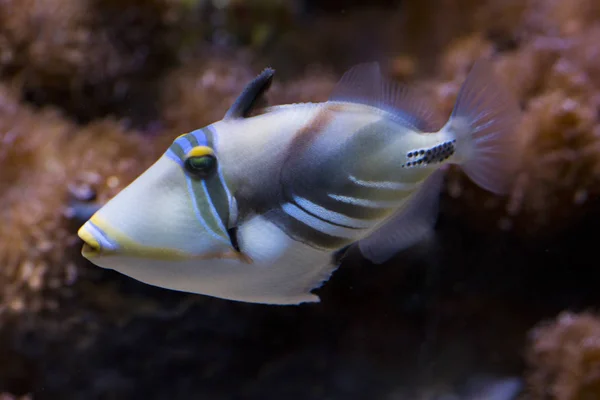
{"points": [[436, 154]]}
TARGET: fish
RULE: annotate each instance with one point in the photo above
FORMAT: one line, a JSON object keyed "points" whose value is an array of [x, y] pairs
{"points": [[262, 206]]}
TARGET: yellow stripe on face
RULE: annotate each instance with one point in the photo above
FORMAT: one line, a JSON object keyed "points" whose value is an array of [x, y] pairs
{"points": [[200, 151], [128, 246], [88, 238], [91, 247]]}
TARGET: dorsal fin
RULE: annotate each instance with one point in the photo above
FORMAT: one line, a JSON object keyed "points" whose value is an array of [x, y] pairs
{"points": [[364, 84], [251, 95]]}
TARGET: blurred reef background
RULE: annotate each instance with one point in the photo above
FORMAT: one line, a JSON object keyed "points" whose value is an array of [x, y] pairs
{"points": [[504, 307]]}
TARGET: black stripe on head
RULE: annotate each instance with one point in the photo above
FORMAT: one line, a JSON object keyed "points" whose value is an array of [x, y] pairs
{"points": [[199, 137], [178, 150], [215, 184], [210, 195], [208, 135], [218, 197], [192, 139]]}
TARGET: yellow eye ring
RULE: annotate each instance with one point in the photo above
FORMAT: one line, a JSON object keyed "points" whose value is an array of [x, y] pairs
{"points": [[200, 162], [200, 151]]}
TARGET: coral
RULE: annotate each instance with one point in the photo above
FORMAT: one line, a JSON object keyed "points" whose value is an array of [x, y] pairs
{"points": [[7, 396], [31, 172], [313, 85], [256, 23], [561, 18], [553, 75], [45, 161], [200, 92], [115, 157], [86, 56], [564, 358]]}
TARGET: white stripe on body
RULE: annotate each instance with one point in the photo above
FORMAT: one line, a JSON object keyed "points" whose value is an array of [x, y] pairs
{"points": [[384, 184], [317, 224], [366, 202], [332, 216]]}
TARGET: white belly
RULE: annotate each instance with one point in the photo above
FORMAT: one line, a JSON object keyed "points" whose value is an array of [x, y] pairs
{"points": [[283, 271]]}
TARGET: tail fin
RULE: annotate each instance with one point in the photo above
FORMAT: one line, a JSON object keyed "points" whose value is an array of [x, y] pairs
{"points": [[484, 121]]}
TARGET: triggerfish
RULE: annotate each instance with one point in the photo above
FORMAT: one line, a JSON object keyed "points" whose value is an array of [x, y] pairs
{"points": [[259, 206]]}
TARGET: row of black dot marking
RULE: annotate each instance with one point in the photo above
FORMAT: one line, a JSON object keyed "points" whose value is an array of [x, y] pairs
{"points": [[438, 153]]}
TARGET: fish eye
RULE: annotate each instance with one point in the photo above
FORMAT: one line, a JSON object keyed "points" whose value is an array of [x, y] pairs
{"points": [[200, 162]]}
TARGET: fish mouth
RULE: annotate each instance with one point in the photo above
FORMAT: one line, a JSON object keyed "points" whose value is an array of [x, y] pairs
{"points": [[90, 249], [92, 246]]}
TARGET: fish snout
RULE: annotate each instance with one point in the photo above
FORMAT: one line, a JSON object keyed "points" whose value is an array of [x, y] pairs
{"points": [[95, 242], [91, 246]]}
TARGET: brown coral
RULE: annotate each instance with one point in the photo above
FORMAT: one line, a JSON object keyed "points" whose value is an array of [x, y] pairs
{"points": [[30, 172], [7, 396], [564, 358], [42, 157], [313, 85], [200, 92], [85, 56], [552, 74]]}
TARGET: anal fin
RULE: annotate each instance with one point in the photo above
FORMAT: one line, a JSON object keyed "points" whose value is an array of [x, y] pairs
{"points": [[408, 226]]}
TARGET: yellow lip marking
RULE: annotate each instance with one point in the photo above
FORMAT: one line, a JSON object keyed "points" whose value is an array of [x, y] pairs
{"points": [[91, 247], [200, 151], [129, 247], [180, 136], [229, 255]]}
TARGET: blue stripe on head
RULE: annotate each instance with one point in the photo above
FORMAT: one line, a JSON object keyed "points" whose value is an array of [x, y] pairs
{"points": [[171, 154], [184, 143], [211, 142], [101, 237], [177, 152], [199, 214], [200, 137], [223, 183], [212, 208]]}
